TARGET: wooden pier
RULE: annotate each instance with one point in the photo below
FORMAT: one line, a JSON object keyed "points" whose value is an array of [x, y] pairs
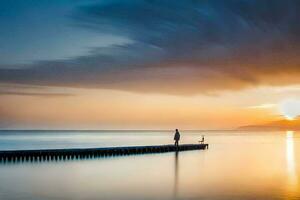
{"points": [[66, 154]]}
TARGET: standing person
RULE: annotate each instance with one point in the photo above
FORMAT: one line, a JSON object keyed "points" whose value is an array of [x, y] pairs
{"points": [[176, 137]]}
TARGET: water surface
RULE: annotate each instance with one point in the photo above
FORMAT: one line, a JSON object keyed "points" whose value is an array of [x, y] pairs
{"points": [[238, 165]]}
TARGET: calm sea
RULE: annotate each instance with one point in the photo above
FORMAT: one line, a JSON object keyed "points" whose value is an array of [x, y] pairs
{"points": [[237, 165]]}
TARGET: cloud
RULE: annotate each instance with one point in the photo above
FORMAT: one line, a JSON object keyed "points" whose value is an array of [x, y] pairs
{"points": [[180, 47], [262, 106], [34, 94], [31, 90]]}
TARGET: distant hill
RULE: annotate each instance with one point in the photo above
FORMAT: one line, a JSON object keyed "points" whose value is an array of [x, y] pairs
{"points": [[276, 125]]}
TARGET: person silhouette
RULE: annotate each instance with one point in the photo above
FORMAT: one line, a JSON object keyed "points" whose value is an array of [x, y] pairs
{"points": [[176, 137]]}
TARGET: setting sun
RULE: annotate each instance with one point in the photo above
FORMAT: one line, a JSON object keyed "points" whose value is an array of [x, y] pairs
{"points": [[290, 108]]}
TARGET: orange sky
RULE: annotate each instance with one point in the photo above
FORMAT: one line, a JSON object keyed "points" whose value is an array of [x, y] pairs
{"points": [[110, 109]]}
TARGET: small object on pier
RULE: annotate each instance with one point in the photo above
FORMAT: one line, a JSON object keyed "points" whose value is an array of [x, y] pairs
{"points": [[202, 140]]}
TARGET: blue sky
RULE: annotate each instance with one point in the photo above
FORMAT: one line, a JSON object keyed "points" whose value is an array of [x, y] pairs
{"points": [[35, 30]]}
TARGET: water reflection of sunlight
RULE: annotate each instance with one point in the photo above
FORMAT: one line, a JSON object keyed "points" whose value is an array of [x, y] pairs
{"points": [[291, 166]]}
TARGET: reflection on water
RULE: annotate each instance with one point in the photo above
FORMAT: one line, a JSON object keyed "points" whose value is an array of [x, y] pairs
{"points": [[176, 169], [237, 166], [292, 184]]}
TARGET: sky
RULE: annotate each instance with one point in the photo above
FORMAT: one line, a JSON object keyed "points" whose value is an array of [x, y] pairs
{"points": [[148, 64]]}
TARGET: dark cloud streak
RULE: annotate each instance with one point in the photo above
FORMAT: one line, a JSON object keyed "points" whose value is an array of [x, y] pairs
{"points": [[39, 94], [180, 47]]}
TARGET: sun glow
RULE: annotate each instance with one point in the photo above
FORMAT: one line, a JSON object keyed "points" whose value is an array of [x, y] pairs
{"points": [[289, 118], [290, 108]]}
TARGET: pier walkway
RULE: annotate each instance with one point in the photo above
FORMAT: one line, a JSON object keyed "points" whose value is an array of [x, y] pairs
{"points": [[65, 154]]}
